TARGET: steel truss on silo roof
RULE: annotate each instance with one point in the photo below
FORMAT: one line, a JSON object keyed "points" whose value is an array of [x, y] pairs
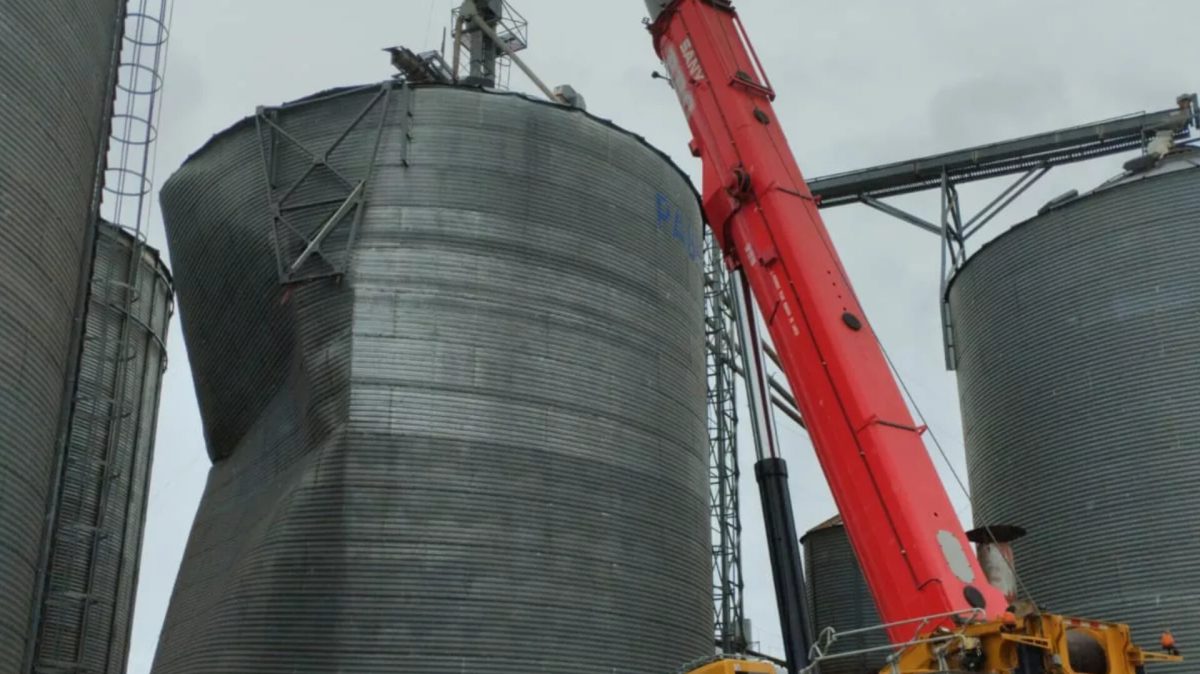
{"points": [[302, 232]]}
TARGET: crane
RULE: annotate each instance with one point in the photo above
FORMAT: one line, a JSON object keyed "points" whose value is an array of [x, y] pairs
{"points": [[933, 596]]}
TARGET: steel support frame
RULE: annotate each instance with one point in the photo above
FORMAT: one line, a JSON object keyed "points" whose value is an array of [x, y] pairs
{"points": [[1029, 158], [724, 472], [313, 261], [724, 368], [954, 232], [1009, 157], [489, 48]]}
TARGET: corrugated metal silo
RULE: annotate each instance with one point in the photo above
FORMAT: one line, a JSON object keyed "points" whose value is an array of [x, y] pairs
{"points": [[96, 541], [838, 598], [57, 69], [480, 445], [1078, 337]]}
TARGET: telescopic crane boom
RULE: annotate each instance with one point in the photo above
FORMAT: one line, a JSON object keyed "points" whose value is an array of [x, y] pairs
{"points": [[914, 551], [909, 542]]}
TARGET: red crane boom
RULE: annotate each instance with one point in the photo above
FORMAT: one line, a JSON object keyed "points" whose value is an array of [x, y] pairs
{"points": [[906, 535]]}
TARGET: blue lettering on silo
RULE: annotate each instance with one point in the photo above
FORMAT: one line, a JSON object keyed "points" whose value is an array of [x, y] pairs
{"points": [[670, 220]]}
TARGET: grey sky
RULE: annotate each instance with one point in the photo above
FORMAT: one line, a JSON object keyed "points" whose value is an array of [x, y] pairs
{"points": [[859, 82]]}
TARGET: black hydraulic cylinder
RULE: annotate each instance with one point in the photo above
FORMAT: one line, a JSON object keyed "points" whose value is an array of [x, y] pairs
{"points": [[784, 549]]}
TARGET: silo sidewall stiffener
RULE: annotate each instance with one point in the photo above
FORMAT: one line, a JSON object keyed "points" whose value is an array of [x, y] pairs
{"points": [[473, 436], [1078, 338], [56, 78]]}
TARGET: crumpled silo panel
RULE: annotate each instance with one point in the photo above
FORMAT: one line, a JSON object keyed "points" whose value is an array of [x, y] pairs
{"points": [[481, 447]]}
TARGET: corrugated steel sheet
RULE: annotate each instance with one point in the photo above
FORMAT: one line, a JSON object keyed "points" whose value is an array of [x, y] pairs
{"points": [[838, 598], [55, 84], [483, 449], [1079, 375], [96, 541]]}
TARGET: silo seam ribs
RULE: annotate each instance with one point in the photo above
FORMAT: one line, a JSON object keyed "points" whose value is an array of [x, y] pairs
{"points": [[486, 435]]}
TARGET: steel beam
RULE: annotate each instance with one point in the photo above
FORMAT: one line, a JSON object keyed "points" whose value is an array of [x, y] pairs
{"points": [[993, 160]]}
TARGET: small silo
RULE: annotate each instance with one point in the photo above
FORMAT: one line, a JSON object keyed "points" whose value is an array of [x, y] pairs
{"points": [[87, 607], [838, 599], [1078, 339], [448, 350], [57, 74]]}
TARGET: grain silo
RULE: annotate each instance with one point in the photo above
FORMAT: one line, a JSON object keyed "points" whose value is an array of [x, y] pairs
{"points": [[839, 599], [1078, 338], [448, 350], [95, 545], [57, 73]]}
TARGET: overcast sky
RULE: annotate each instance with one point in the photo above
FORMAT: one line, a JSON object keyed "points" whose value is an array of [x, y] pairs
{"points": [[860, 82]]}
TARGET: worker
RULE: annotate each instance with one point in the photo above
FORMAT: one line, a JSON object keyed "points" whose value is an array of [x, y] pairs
{"points": [[1008, 621], [1168, 643]]}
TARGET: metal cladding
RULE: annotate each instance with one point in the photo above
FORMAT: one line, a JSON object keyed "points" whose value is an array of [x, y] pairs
{"points": [[839, 598], [481, 447], [56, 75], [1078, 337], [96, 541]]}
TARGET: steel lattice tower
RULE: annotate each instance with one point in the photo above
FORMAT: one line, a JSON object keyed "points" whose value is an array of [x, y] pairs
{"points": [[723, 453]]}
